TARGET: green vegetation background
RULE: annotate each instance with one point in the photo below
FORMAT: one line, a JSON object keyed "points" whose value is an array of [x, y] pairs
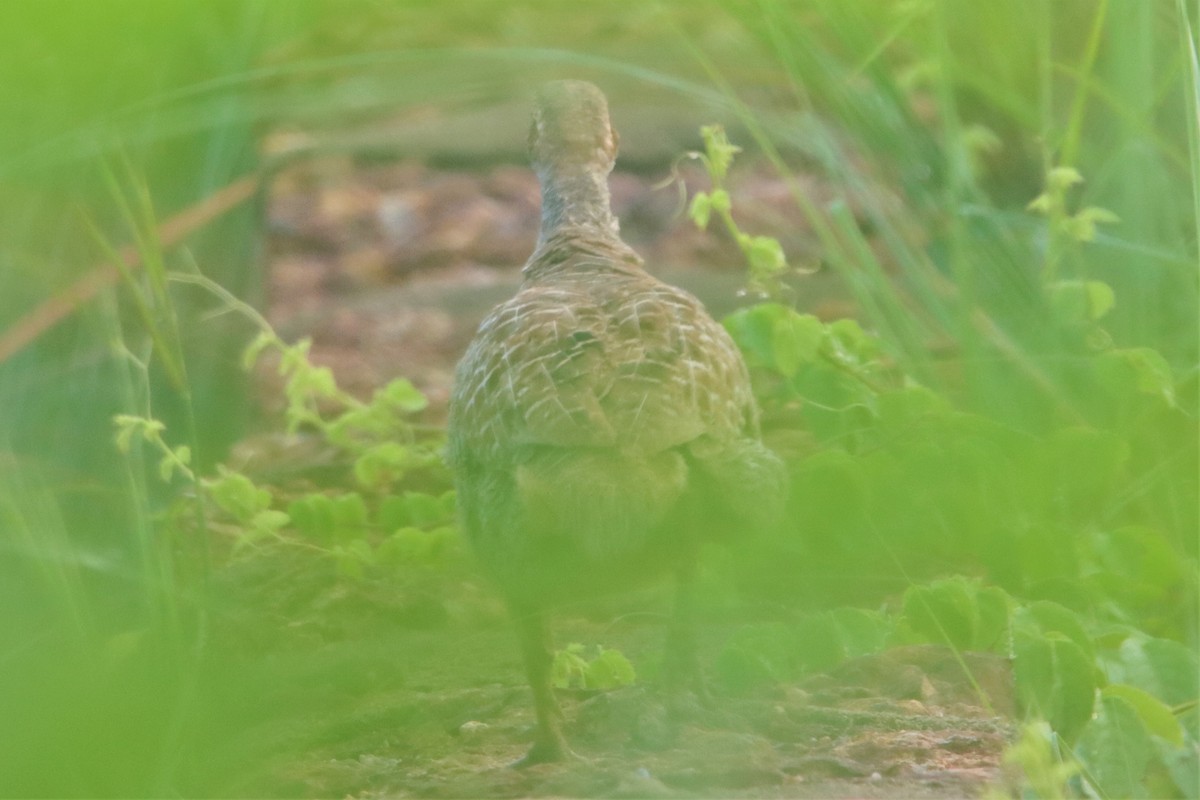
{"points": [[1005, 451]]}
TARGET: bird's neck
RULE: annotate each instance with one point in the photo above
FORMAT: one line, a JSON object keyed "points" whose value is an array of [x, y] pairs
{"points": [[575, 197]]}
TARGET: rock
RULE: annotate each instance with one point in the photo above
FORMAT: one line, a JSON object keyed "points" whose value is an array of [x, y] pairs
{"points": [[471, 729]]}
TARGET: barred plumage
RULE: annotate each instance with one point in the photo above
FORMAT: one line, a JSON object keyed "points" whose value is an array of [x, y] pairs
{"points": [[601, 422]]}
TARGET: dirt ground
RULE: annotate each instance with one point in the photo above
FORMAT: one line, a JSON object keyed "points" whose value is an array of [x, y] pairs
{"points": [[832, 737], [389, 267], [372, 691]]}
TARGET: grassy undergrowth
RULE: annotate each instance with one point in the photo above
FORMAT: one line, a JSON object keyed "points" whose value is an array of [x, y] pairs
{"points": [[997, 453]]}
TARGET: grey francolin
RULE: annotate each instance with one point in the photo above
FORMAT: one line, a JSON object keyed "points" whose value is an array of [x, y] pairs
{"points": [[601, 424]]}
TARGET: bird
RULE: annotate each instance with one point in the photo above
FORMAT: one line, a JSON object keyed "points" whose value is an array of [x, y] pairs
{"points": [[601, 424]]}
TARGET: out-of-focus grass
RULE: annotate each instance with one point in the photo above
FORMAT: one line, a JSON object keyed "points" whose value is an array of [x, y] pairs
{"points": [[968, 105], [963, 106], [98, 653]]}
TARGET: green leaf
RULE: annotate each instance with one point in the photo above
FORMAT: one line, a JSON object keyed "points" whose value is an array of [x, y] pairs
{"points": [[1037, 757], [849, 339], [774, 336], [1154, 713], [765, 255], [1141, 368], [1061, 178], [127, 427], [175, 460], [1042, 204], [1115, 749], [1044, 618], [1140, 569], [720, 151], [944, 612], [993, 630], [404, 396], [236, 495], [425, 509], [350, 511], [1055, 680], [393, 513], [833, 488], [818, 644], [381, 465], [981, 139], [264, 525], [448, 503], [720, 200], [151, 429], [753, 330], [166, 466], [312, 515], [293, 358], [1166, 669], [261, 342], [1144, 554], [569, 668], [1083, 465], [906, 406], [859, 631], [1082, 226], [269, 520], [1101, 299], [1080, 301], [415, 509], [323, 518], [1182, 765], [700, 211], [446, 540], [609, 670], [353, 557], [249, 537], [407, 545], [1080, 229], [317, 382], [795, 340]]}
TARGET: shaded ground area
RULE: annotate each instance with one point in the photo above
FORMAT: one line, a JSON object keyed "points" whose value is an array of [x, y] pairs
{"points": [[415, 689], [841, 739]]}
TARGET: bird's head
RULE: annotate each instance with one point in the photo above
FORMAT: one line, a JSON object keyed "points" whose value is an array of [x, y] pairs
{"points": [[571, 130]]}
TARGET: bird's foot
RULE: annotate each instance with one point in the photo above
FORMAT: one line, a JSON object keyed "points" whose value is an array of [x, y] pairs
{"points": [[685, 691], [549, 750], [687, 704]]}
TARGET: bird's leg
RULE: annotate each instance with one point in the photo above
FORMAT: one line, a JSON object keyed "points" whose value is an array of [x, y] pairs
{"points": [[682, 659], [549, 743]]}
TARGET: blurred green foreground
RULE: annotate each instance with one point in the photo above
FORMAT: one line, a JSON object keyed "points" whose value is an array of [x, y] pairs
{"points": [[1000, 453]]}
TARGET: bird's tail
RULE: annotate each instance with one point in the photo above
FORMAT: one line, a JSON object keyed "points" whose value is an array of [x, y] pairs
{"points": [[741, 485], [605, 502]]}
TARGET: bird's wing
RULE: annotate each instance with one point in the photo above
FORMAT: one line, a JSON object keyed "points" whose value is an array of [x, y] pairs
{"points": [[634, 365]]}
